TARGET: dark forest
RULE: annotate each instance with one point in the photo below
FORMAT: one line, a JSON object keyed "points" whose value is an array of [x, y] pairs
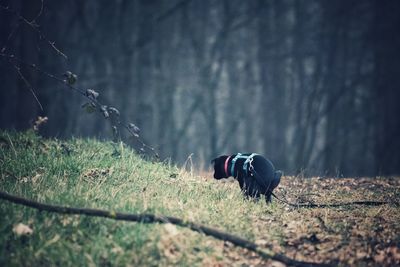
{"points": [[313, 85]]}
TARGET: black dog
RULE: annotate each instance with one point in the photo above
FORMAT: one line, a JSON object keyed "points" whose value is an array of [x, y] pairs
{"points": [[256, 174]]}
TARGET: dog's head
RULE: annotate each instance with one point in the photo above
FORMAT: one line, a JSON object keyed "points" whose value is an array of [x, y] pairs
{"points": [[219, 171]]}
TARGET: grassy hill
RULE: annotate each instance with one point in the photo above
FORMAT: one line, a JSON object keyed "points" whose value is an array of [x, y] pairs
{"points": [[89, 173]]}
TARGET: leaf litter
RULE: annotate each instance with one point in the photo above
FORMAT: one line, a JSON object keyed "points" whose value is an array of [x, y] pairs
{"points": [[350, 236]]}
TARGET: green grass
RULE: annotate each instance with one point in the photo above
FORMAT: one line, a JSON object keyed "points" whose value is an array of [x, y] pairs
{"points": [[88, 173], [92, 175]]}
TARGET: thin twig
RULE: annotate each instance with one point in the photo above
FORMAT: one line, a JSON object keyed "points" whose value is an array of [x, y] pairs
{"points": [[30, 87], [170, 11], [32, 24], [12, 145], [40, 12], [95, 101], [4, 48], [14, 30], [151, 218]]}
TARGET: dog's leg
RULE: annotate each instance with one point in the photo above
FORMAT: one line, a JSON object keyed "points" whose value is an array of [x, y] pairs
{"points": [[251, 190], [268, 198]]}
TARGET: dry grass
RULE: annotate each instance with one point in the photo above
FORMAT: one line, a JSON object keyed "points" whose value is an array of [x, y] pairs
{"points": [[92, 176]]}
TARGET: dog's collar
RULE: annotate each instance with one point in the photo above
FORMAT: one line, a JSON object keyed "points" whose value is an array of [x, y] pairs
{"points": [[226, 166]]}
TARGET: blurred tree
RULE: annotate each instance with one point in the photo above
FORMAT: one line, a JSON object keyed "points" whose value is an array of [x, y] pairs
{"points": [[311, 84]]}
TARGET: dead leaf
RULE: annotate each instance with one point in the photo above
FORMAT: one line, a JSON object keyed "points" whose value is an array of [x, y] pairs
{"points": [[66, 220], [211, 261], [117, 250], [171, 229], [277, 264], [261, 242], [39, 121], [395, 251], [22, 229], [35, 178], [361, 254], [380, 256]]}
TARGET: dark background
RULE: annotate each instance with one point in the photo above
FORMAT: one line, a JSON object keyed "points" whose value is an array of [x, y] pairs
{"points": [[313, 85]]}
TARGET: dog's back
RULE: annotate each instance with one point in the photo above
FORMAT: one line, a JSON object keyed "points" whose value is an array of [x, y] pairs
{"points": [[258, 178]]}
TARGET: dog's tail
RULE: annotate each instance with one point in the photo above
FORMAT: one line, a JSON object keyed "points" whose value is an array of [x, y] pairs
{"points": [[267, 191], [276, 180]]}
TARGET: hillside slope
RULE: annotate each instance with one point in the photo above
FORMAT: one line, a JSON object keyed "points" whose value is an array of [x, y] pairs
{"points": [[90, 173]]}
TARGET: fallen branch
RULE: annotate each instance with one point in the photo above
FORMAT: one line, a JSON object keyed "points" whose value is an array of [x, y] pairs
{"points": [[335, 205], [152, 218]]}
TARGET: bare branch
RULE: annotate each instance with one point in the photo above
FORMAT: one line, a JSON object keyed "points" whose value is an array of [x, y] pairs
{"points": [[88, 94], [32, 24], [336, 205], [172, 10], [39, 13], [13, 31], [152, 218], [28, 85]]}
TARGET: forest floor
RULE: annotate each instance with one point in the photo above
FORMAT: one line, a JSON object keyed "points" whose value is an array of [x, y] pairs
{"points": [[90, 173]]}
